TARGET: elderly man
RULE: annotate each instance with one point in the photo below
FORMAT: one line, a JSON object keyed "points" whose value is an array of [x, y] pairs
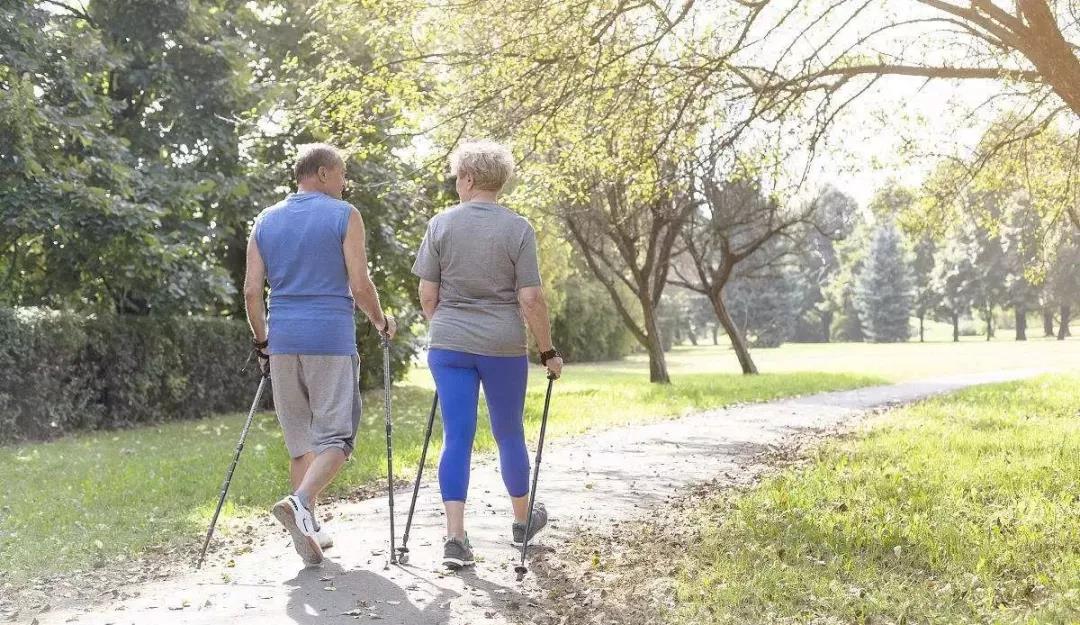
{"points": [[310, 247]]}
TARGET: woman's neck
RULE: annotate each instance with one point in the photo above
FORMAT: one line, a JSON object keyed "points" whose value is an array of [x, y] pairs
{"points": [[490, 197]]}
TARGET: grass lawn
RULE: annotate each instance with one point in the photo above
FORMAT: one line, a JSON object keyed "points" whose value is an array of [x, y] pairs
{"points": [[92, 499], [897, 362], [964, 509]]}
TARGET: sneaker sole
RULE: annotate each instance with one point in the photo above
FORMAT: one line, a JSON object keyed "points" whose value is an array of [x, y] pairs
{"points": [[455, 564], [306, 546]]}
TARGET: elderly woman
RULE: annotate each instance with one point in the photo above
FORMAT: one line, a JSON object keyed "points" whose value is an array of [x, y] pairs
{"points": [[479, 285]]}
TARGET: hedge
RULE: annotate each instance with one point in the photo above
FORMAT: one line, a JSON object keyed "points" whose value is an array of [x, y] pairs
{"points": [[62, 373]]}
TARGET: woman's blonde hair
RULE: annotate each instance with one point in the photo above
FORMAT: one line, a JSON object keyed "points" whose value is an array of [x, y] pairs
{"points": [[489, 163]]}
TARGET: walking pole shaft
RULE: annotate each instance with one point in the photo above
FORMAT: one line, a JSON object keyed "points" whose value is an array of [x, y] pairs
{"points": [[389, 444], [521, 570], [404, 548], [232, 467]]}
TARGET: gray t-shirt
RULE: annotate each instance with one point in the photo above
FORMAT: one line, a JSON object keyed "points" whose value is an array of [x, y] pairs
{"points": [[480, 254]]}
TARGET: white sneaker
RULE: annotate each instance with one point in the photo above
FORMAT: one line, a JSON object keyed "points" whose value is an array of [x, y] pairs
{"points": [[297, 519], [326, 541]]}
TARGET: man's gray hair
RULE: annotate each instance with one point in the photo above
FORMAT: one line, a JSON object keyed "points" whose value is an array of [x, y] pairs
{"points": [[311, 156], [489, 163]]}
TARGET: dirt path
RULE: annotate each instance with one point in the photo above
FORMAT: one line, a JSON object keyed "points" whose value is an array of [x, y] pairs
{"points": [[599, 480]]}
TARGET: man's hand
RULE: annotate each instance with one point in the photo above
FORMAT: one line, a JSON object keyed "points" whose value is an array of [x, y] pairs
{"points": [[264, 361], [390, 327]]}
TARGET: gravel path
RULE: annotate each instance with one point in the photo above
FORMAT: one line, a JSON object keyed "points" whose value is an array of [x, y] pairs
{"points": [[599, 479]]}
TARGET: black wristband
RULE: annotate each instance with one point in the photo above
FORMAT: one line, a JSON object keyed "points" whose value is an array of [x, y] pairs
{"points": [[548, 355], [260, 345]]}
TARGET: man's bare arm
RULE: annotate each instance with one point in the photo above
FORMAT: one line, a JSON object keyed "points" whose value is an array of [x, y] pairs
{"points": [[363, 289], [254, 283]]}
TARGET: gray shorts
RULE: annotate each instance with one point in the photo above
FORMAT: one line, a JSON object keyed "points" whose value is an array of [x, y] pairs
{"points": [[317, 399]]}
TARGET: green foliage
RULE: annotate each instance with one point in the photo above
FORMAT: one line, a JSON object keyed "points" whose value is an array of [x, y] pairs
{"points": [[818, 263], [883, 287], [116, 141], [62, 373], [960, 510], [766, 308], [588, 327]]}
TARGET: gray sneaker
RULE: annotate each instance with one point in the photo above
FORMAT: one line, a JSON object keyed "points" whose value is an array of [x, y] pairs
{"points": [[539, 520], [457, 553]]}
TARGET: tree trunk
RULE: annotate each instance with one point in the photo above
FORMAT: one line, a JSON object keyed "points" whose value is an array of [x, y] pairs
{"points": [[716, 333], [1021, 322], [989, 312], [658, 373], [826, 325], [956, 327], [922, 331], [1063, 329], [737, 341], [691, 332], [1048, 321]]}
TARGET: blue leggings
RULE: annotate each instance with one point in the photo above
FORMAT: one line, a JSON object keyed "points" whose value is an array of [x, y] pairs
{"points": [[458, 376]]}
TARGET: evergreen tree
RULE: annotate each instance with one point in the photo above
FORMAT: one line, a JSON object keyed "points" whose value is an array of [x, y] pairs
{"points": [[883, 288]]}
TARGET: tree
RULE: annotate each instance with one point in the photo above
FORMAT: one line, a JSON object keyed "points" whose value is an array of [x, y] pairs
{"points": [[922, 267], [1029, 47], [989, 262], [1027, 44], [954, 276], [840, 292], [626, 231], [765, 305], [818, 260], [1022, 247], [96, 211], [1063, 282], [883, 287], [736, 220]]}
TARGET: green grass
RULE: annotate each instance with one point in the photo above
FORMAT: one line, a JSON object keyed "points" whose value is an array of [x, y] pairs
{"points": [[93, 499], [964, 509], [897, 362]]}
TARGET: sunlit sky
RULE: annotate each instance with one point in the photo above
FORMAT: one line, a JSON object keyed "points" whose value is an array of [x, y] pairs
{"points": [[930, 117]]}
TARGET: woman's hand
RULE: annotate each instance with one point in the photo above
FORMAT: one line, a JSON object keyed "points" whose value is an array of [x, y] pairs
{"points": [[554, 367]]}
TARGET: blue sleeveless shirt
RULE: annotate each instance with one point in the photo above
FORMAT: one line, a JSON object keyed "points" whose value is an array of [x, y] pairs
{"points": [[311, 308]]}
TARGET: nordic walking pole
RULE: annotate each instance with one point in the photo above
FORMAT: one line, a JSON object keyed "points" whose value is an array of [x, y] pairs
{"points": [[232, 467], [521, 569], [389, 442], [403, 550]]}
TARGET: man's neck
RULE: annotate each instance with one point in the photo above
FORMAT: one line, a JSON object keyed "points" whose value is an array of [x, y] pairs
{"points": [[303, 188]]}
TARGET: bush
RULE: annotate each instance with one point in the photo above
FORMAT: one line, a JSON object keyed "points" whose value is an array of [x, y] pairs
{"points": [[61, 373], [589, 328]]}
